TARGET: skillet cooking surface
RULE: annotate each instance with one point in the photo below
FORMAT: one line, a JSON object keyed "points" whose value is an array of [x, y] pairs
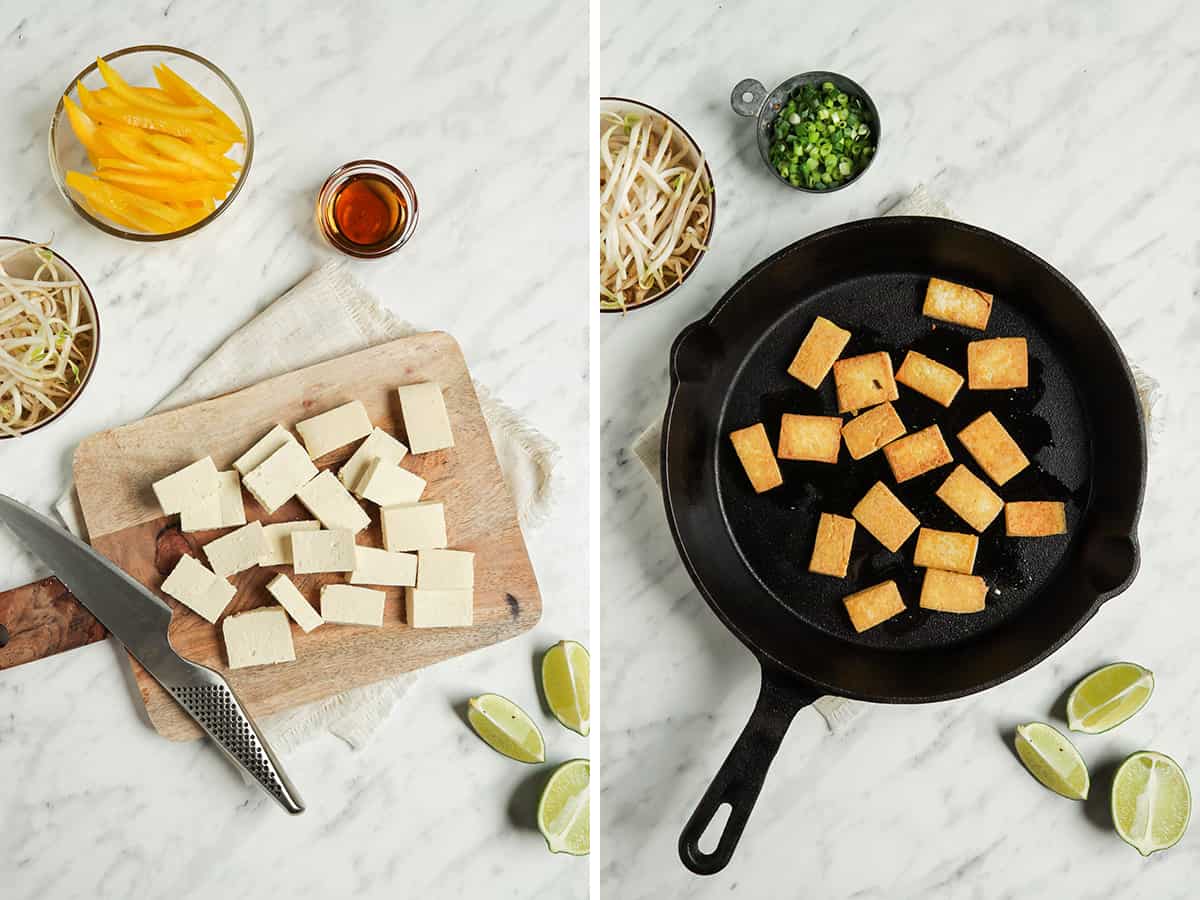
{"points": [[1079, 422], [775, 531]]}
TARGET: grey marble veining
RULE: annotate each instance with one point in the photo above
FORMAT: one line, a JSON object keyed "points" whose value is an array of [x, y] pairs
{"points": [[93, 803], [1064, 126]]}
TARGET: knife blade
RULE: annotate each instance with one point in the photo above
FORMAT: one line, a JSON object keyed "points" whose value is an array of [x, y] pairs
{"points": [[139, 620]]}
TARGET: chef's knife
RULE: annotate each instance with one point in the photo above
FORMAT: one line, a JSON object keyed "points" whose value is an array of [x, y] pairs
{"points": [[139, 620]]}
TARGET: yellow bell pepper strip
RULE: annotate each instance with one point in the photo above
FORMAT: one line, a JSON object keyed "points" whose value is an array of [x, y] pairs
{"points": [[84, 128], [134, 98], [132, 145], [215, 149], [109, 213], [106, 96], [127, 203], [93, 107], [113, 166], [124, 165], [183, 92], [156, 187], [183, 152], [145, 120], [191, 214]]}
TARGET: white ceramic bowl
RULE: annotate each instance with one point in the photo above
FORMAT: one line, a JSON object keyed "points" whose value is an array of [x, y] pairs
{"points": [[24, 265], [624, 106]]}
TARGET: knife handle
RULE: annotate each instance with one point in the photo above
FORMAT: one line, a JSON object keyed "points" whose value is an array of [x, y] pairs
{"points": [[209, 699]]}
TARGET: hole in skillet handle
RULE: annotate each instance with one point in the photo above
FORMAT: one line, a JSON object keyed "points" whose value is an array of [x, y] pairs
{"points": [[740, 779], [4, 636]]}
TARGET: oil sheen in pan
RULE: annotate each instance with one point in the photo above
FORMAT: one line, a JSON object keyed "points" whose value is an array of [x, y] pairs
{"points": [[774, 531]]}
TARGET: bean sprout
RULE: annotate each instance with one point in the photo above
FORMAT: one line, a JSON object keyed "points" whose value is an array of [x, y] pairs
{"points": [[654, 208], [46, 339]]}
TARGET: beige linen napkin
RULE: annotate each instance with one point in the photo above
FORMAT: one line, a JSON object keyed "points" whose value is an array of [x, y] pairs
{"points": [[331, 311], [838, 712]]}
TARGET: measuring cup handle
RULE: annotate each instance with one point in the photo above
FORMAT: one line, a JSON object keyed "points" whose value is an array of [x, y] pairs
{"points": [[748, 87]]}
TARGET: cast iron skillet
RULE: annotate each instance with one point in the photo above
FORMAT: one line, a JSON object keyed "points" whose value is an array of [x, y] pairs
{"points": [[1079, 422]]}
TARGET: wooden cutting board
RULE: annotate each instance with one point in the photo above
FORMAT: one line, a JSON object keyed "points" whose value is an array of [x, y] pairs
{"points": [[114, 471]]}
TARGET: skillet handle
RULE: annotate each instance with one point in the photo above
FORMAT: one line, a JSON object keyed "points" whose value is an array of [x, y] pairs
{"points": [[741, 776]]}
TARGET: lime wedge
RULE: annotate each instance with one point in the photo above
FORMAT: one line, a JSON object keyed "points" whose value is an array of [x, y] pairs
{"points": [[564, 807], [1108, 697], [1053, 760], [565, 682], [1151, 802], [506, 728]]}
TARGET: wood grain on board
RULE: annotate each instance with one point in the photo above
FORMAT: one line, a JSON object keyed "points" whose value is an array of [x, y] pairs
{"points": [[114, 471], [41, 619]]}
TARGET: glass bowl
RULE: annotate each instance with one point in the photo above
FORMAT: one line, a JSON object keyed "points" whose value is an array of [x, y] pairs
{"points": [[625, 106], [393, 182], [24, 265], [136, 65]]}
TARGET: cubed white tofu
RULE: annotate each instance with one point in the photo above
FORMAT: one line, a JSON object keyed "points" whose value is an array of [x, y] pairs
{"points": [[263, 448], [326, 499], [279, 541], [276, 480], [201, 591], [335, 428], [224, 509], [322, 551], [387, 484], [420, 526], [445, 569], [352, 605], [374, 566], [281, 588], [426, 608], [187, 487], [238, 550], [425, 419], [260, 637], [378, 445]]}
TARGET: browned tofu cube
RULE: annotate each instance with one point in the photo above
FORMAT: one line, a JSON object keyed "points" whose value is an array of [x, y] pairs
{"points": [[864, 381], [754, 450], [822, 345], [929, 377], [966, 494], [815, 438], [873, 429], [885, 517], [948, 550], [953, 592], [831, 550], [957, 303], [918, 453], [1034, 518], [993, 448], [998, 364], [876, 604]]}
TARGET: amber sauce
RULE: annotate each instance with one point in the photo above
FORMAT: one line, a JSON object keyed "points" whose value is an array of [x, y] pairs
{"points": [[367, 211]]}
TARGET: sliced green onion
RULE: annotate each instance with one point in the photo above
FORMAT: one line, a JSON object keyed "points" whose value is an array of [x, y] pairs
{"points": [[822, 137]]}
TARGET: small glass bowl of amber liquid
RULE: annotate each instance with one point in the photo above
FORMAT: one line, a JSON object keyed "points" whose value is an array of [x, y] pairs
{"points": [[367, 209]]}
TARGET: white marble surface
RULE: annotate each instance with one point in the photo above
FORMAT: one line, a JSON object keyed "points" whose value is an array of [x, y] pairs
{"points": [[1065, 127], [93, 803]]}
